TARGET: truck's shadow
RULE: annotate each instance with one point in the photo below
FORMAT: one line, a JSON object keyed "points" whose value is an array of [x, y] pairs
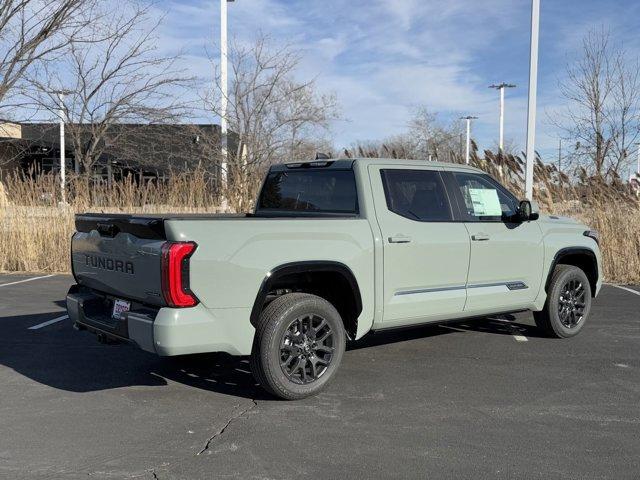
{"points": [[503, 325], [63, 358]]}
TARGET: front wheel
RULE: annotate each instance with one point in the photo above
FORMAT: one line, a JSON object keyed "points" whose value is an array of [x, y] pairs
{"points": [[568, 303], [298, 346]]}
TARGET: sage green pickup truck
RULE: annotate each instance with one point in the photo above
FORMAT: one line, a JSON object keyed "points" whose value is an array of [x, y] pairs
{"points": [[335, 249]]}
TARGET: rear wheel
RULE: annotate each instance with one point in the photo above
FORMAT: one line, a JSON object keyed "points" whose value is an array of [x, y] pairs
{"points": [[298, 347], [568, 303]]}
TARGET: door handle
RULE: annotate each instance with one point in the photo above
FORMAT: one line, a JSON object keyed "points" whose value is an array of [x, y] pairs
{"points": [[480, 237], [399, 239]]}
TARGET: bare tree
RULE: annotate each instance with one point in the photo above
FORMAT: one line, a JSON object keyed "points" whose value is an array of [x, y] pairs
{"points": [[426, 138], [117, 77], [433, 139], [35, 31], [602, 119], [624, 117], [272, 115]]}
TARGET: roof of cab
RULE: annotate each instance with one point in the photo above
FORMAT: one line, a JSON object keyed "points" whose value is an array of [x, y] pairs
{"points": [[348, 163]]}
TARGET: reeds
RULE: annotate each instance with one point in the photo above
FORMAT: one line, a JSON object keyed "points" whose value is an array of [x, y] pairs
{"points": [[35, 228]]}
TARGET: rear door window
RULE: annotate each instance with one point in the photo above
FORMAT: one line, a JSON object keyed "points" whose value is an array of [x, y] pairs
{"points": [[416, 194], [310, 191]]}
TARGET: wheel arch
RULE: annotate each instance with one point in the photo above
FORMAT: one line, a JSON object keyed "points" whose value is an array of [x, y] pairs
{"points": [[581, 257], [331, 280]]}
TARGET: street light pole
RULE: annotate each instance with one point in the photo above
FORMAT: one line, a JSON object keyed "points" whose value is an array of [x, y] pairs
{"points": [[559, 157], [223, 93], [63, 160], [533, 89], [501, 88], [468, 118], [638, 167]]}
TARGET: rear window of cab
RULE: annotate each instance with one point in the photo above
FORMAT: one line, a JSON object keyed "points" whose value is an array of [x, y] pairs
{"points": [[310, 191]]}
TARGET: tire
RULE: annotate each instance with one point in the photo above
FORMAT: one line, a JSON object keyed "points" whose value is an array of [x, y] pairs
{"points": [[568, 303], [290, 358]]}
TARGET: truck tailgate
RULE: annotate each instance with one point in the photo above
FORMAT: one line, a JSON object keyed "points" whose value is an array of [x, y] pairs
{"points": [[107, 257]]}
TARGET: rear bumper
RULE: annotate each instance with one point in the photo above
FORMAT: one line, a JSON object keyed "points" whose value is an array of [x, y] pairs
{"points": [[91, 311], [164, 331]]}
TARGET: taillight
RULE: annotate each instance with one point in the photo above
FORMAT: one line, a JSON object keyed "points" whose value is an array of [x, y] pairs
{"points": [[175, 274]]}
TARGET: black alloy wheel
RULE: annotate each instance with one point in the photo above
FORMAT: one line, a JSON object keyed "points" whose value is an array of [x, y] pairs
{"points": [[568, 303], [298, 346], [571, 303], [306, 349]]}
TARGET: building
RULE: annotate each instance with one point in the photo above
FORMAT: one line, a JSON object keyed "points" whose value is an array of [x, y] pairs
{"points": [[144, 150]]}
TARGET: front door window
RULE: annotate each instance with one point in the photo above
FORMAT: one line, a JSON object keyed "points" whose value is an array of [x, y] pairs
{"points": [[485, 199]]}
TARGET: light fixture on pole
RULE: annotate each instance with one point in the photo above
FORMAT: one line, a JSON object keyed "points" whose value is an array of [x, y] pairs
{"points": [[500, 87], [468, 118], [531, 106], [223, 95]]}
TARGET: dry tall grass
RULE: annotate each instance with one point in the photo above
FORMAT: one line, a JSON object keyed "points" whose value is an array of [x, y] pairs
{"points": [[35, 231]]}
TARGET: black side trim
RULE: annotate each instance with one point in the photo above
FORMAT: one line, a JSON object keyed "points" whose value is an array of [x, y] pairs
{"points": [[564, 252], [303, 267]]}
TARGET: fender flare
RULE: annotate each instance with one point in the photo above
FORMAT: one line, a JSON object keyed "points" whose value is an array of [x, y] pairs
{"points": [[563, 252], [303, 267]]}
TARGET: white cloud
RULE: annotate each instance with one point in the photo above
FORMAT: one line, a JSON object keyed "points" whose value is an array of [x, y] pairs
{"points": [[382, 57]]}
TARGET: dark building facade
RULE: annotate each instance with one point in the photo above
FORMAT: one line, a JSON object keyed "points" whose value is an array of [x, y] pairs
{"points": [[139, 149]]}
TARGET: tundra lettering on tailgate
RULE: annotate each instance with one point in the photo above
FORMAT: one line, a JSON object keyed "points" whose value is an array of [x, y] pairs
{"points": [[106, 263]]}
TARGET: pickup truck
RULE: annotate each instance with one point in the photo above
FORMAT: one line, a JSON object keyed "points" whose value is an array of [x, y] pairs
{"points": [[334, 249]]}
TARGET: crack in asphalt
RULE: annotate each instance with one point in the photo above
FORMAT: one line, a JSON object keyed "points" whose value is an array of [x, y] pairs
{"points": [[226, 425], [235, 416]]}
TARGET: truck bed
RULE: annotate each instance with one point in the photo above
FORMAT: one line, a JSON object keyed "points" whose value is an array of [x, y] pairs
{"points": [[149, 226]]}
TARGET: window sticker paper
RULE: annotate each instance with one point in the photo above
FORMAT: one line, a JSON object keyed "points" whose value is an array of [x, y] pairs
{"points": [[485, 202]]}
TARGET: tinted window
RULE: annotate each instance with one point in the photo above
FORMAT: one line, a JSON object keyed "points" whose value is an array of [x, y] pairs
{"points": [[484, 198], [321, 191], [416, 194]]}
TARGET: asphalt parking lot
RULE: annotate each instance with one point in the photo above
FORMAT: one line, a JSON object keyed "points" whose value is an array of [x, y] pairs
{"points": [[486, 399]]}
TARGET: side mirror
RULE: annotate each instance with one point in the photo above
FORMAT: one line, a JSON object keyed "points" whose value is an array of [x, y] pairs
{"points": [[528, 210], [535, 210]]}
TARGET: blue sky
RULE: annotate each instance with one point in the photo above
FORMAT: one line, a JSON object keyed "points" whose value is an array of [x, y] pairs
{"points": [[384, 57]]}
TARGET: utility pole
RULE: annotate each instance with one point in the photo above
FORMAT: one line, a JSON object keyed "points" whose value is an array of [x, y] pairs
{"points": [[468, 118], [533, 90], [500, 87], [223, 96], [638, 167]]}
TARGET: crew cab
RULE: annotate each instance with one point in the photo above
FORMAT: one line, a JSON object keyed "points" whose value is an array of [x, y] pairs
{"points": [[334, 249]]}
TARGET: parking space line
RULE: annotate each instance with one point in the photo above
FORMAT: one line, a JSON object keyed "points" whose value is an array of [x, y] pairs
{"points": [[626, 289], [25, 280], [520, 338], [49, 322], [515, 331]]}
